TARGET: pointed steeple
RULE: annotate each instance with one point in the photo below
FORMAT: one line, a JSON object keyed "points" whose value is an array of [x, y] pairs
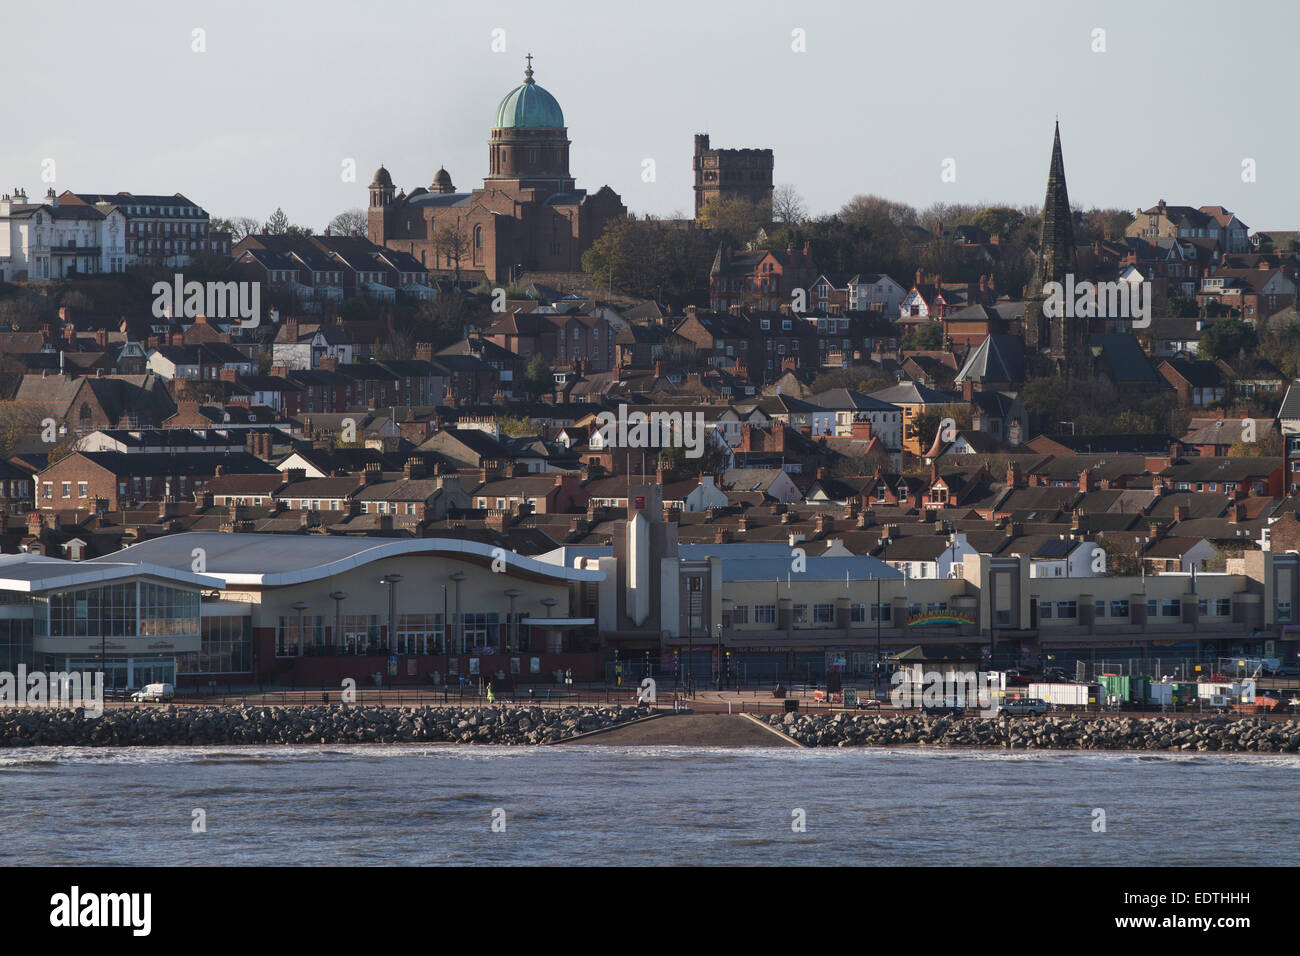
{"points": [[1056, 236], [1060, 337]]}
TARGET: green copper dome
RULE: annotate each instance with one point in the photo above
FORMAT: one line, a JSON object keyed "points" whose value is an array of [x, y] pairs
{"points": [[528, 106]]}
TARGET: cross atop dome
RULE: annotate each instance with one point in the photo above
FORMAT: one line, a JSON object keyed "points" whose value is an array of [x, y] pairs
{"points": [[528, 70]]}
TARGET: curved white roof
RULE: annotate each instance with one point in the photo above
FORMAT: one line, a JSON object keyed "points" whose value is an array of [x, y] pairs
{"points": [[277, 560], [35, 572]]}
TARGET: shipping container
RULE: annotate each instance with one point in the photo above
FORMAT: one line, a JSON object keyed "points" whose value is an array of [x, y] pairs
{"points": [[1118, 686], [1068, 695]]}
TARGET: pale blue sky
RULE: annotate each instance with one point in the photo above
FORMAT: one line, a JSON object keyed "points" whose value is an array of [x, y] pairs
{"points": [[885, 92]]}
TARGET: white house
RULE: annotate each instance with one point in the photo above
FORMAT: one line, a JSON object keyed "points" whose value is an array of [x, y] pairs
{"points": [[849, 407], [1063, 558], [872, 291], [52, 240], [922, 556], [706, 495]]}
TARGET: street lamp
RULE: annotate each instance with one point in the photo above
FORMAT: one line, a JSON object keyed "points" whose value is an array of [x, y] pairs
{"points": [[719, 684], [459, 576], [300, 606], [880, 613], [512, 626], [338, 597], [549, 603], [391, 580]]}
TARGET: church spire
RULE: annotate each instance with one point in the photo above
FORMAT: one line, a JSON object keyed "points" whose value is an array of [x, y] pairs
{"points": [[1060, 337], [1056, 245]]}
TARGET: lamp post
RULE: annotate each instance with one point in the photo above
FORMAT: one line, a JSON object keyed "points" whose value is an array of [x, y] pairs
{"points": [[338, 597], [391, 580], [719, 683], [690, 652], [300, 606], [549, 603], [446, 624], [880, 613], [459, 576], [512, 626]]}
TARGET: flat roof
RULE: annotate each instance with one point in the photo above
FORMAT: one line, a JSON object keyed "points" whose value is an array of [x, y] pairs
{"points": [[277, 560]]}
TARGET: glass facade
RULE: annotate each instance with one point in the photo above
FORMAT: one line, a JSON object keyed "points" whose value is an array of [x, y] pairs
{"points": [[118, 610], [167, 612], [15, 643], [225, 647]]}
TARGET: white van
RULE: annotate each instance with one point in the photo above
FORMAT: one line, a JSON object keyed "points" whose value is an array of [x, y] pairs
{"points": [[154, 692]]}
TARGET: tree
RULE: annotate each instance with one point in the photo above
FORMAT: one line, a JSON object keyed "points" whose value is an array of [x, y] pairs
{"points": [[652, 260], [452, 242], [516, 426], [713, 458], [239, 227], [926, 335], [1226, 339], [278, 224], [1179, 307], [788, 206], [1269, 445], [735, 221], [1001, 221], [350, 222], [1119, 563], [538, 378]]}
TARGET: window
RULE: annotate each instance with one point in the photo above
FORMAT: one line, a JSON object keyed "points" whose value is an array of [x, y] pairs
{"points": [[857, 613], [81, 489], [1119, 608], [1283, 611], [764, 613], [67, 489], [48, 487], [1153, 607], [740, 614], [1223, 607], [823, 613], [1203, 606], [801, 614], [1171, 607], [1045, 610], [881, 613], [1098, 609]]}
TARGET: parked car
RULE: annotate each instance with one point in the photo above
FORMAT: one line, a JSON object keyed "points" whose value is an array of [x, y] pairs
{"points": [[1018, 677], [1052, 674], [1023, 707], [152, 692]]}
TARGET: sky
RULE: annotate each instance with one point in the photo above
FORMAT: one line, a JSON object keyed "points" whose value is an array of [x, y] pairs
{"points": [[1168, 103]]}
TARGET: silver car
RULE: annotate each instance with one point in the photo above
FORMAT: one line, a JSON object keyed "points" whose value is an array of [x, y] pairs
{"points": [[1024, 707]]}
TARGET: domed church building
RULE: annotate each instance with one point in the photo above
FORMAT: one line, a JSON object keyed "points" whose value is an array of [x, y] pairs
{"points": [[528, 217]]}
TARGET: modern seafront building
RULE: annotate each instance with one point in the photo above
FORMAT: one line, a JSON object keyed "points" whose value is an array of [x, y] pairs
{"points": [[310, 610]]}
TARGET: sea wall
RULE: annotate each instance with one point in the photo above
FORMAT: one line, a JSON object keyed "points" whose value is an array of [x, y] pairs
{"points": [[1222, 734], [325, 724]]}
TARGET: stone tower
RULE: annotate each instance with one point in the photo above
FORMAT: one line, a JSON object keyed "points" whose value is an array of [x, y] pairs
{"points": [[730, 173], [1054, 344], [382, 194]]}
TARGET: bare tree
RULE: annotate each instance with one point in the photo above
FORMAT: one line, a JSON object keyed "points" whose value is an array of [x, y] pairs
{"points": [[788, 206], [452, 242], [352, 222], [239, 227]]}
